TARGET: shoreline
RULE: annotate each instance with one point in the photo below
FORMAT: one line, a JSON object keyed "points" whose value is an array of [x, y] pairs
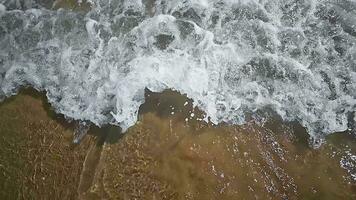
{"points": [[142, 161]]}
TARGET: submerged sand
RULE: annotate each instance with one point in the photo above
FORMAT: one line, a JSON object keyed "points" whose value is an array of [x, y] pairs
{"points": [[164, 156]]}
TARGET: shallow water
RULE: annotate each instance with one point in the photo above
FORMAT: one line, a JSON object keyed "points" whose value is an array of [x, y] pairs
{"points": [[37, 158], [166, 157]]}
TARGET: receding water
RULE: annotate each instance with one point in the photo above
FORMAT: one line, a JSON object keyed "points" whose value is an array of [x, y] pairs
{"points": [[168, 154]]}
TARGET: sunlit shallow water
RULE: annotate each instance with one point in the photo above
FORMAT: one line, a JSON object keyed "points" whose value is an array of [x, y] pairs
{"points": [[165, 156]]}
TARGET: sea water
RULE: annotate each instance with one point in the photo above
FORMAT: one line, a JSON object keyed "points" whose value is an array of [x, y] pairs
{"points": [[233, 58]]}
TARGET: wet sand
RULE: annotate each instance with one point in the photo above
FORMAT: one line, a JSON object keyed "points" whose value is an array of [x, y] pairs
{"points": [[37, 158], [163, 157]]}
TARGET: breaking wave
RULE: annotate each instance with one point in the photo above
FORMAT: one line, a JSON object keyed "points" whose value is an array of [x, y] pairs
{"points": [[232, 57]]}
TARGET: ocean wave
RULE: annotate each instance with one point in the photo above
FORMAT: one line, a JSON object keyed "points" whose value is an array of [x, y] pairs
{"points": [[296, 57]]}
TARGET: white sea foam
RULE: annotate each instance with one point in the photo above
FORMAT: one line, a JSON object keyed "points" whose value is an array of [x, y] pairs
{"points": [[2, 9], [232, 58]]}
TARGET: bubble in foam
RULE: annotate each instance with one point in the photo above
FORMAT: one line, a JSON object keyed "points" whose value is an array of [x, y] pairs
{"points": [[2, 9]]}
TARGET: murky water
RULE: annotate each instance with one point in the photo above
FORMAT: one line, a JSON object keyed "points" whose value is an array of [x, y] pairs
{"points": [[37, 158], [165, 156], [169, 154]]}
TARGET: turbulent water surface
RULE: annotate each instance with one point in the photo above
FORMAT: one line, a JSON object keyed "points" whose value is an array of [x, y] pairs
{"points": [[233, 58]]}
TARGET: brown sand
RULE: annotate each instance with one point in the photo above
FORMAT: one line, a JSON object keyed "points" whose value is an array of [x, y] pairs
{"points": [[37, 158], [163, 157]]}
